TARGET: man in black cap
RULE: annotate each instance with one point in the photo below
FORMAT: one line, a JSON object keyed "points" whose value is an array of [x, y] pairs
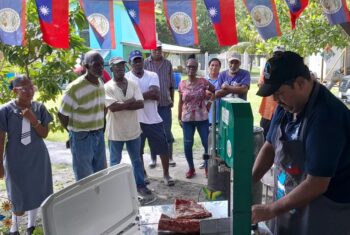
{"points": [[309, 143]]}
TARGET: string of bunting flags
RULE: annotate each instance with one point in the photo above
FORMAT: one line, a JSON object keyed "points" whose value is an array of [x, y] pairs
{"points": [[180, 15]]}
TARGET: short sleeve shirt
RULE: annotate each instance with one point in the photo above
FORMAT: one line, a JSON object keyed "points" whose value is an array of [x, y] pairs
{"points": [[84, 102], [194, 100], [149, 114], [327, 141], [166, 79], [122, 125], [242, 78], [215, 83]]}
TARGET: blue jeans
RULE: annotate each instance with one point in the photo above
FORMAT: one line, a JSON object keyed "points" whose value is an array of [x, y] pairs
{"points": [[188, 132], [88, 151], [133, 147]]}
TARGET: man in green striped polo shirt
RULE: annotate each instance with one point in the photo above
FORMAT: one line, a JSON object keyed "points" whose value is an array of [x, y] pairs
{"points": [[82, 114]]}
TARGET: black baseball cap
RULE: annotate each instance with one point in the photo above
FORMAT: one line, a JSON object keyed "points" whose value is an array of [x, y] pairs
{"points": [[279, 70]]}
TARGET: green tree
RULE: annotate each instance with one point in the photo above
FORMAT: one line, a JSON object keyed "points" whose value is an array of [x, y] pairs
{"points": [[48, 67], [312, 33]]}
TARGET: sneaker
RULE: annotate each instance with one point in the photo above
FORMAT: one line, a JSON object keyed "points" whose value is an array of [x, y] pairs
{"points": [[190, 173], [144, 191], [146, 200], [152, 164], [202, 165], [30, 230], [172, 163]]}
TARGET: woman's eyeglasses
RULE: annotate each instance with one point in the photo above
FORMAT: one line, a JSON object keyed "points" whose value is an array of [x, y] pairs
{"points": [[192, 67]]}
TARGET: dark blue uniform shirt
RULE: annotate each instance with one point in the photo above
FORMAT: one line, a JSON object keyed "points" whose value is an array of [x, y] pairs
{"points": [[326, 141]]}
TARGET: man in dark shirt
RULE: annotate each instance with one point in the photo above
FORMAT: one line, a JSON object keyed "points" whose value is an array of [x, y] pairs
{"points": [[163, 68], [309, 145]]}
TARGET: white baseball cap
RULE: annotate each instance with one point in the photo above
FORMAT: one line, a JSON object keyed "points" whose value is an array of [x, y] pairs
{"points": [[234, 56], [279, 48]]}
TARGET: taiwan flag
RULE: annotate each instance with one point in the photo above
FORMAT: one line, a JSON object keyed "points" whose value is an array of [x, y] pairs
{"points": [[264, 15], [53, 16], [12, 22], [222, 15], [142, 16], [181, 18], [101, 20], [336, 11], [296, 7]]}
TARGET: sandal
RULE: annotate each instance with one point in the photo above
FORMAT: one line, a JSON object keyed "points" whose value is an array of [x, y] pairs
{"points": [[168, 181]]}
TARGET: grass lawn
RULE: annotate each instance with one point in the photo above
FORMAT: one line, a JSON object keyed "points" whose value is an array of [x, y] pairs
{"points": [[176, 129]]}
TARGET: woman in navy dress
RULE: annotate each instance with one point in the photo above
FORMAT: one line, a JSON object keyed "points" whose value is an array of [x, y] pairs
{"points": [[26, 162]]}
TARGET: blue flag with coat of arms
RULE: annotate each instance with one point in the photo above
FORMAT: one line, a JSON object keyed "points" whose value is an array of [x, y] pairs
{"points": [[12, 22]]}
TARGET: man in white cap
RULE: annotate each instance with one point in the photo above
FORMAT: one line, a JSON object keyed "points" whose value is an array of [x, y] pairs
{"points": [[268, 104], [164, 69], [234, 81]]}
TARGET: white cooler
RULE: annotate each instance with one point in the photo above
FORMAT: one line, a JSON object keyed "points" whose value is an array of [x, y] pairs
{"points": [[103, 203]]}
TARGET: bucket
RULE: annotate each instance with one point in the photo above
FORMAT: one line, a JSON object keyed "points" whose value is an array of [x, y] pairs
{"points": [[219, 179], [177, 77]]}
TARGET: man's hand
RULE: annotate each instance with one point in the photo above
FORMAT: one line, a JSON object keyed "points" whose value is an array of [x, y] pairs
{"points": [[131, 100], [262, 212], [225, 86]]}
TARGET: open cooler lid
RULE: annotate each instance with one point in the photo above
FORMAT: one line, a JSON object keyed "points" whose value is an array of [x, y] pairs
{"points": [[103, 203]]}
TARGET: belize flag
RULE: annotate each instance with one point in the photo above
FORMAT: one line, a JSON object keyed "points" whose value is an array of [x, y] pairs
{"points": [[222, 15], [181, 18], [101, 20], [142, 16], [264, 15], [12, 22], [296, 7], [53, 17], [336, 11]]}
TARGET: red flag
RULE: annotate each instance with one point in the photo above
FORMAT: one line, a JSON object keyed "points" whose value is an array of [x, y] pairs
{"points": [[222, 15], [142, 16], [53, 16], [296, 7]]}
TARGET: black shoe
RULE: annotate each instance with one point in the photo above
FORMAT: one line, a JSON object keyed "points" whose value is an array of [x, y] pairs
{"points": [[152, 164], [143, 191], [14, 233], [30, 230], [172, 163]]}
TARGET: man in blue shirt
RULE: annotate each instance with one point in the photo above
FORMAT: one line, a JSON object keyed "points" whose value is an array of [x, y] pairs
{"points": [[234, 81], [309, 144]]}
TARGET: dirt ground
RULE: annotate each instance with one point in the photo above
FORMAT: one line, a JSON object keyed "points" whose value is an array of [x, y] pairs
{"points": [[63, 177]]}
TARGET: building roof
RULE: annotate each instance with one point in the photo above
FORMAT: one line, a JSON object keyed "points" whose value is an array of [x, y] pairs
{"points": [[168, 48]]}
